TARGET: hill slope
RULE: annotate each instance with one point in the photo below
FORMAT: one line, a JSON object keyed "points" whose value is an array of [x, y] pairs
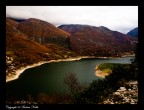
{"points": [[25, 51], [43, 32], [12, 22], [98, 41]]}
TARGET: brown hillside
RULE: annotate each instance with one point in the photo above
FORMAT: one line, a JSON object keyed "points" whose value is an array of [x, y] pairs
{"points": [[24, 50], [98, 41], [43, 32], [12, 22]]}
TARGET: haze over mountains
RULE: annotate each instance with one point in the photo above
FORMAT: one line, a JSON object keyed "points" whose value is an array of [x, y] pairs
{"points": [[34, 40]]}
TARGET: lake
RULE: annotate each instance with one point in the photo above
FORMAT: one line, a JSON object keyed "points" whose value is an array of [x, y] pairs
{"points": [[49, 77]]}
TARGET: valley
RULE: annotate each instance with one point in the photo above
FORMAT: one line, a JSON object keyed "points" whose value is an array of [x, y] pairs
{"points": [[31, 41], [71, 55]]}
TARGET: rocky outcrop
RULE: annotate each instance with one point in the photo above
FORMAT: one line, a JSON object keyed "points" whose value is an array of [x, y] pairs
{"points": [[124, 95]]}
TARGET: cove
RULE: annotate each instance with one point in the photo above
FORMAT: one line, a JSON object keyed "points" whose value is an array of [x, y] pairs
{"points": [[49, 77]]}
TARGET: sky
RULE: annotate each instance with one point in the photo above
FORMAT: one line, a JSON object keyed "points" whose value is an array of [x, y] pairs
{"points": [[117, 18]]}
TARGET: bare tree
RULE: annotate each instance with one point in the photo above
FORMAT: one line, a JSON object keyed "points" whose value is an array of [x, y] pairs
{"points": [[72, 82]]}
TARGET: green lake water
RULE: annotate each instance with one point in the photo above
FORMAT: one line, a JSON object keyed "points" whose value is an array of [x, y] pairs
{"points": [[49, 77]]}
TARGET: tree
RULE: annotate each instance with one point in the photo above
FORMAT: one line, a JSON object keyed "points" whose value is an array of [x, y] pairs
{"points": [[72, 82]]}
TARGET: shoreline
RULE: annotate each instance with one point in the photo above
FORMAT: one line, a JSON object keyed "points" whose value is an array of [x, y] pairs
{"points": [[99, 73], [18, 72]]}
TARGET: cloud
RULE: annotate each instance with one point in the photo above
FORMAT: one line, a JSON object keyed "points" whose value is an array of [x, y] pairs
{"points": [[119, 18]]}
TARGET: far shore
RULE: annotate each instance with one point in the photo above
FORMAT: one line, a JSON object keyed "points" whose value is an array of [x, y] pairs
{"points": [[22, 69]]}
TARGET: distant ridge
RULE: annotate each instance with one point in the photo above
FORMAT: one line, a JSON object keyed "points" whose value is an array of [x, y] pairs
{"points": [[98, 41], [133, 32]]}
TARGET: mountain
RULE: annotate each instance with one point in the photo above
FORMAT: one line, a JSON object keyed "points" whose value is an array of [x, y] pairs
{"points": [[33, 40], [133, 32], [43, 32], [98, 41], [25, 51]]}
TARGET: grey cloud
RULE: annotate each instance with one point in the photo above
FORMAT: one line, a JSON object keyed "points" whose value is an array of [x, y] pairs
{"points": [[120, 18]]}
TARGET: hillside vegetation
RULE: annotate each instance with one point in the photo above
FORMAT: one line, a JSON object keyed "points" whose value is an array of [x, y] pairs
{"points": [[43, 32], [96, 92], [22, 51], [98, 41]]}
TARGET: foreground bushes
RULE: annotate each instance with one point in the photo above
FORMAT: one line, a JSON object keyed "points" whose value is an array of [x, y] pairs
{"points": [[100, 89], [95, 93]]}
